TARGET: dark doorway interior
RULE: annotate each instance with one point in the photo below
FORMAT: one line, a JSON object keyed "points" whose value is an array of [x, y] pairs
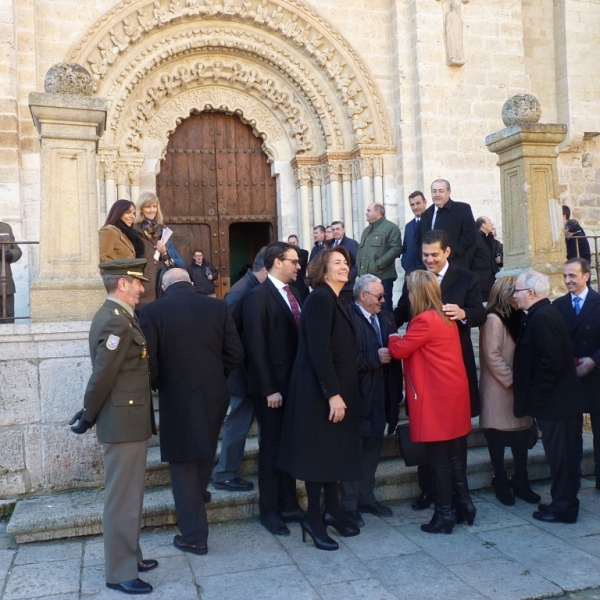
{"points": [[245, 240]]}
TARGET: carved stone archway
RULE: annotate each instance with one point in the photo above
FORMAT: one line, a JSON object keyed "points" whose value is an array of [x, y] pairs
{"points": [[277, 64]]}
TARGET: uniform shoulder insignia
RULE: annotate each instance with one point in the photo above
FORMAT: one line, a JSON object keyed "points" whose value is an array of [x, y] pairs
{"points": [[116, 311], [112, 342]]}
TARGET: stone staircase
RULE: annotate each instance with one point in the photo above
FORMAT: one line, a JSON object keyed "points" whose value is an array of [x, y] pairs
{"points": [[79, 513]]}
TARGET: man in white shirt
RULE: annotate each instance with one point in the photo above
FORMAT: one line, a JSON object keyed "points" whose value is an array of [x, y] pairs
{"points": [[580, 308]]}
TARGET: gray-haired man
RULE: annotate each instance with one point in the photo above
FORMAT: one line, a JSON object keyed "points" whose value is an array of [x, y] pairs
{"points": [[380, 393]]}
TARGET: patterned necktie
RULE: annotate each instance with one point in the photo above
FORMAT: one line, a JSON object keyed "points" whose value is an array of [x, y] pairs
{"points": [[375, 324], [576, 305], [294, 304]]}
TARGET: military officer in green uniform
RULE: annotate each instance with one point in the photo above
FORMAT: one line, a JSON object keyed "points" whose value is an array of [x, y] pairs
{"points": [[12, 253], [119, 402]]}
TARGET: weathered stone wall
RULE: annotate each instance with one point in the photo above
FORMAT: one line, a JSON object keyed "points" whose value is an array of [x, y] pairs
{"points": [[44, 369]]}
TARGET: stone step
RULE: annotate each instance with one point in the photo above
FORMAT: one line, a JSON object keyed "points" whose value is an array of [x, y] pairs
{"points": [[80, 513], [157, 472]]}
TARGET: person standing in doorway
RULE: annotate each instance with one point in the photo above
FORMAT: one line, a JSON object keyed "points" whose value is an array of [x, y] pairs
{"points": [[203, 274]]}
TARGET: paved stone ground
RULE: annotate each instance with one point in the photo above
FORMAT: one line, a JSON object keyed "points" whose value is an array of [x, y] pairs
{"points": [[505, 555]]}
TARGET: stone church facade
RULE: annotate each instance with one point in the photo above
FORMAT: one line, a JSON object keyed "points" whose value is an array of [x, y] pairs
{"points": [[351, 102]]}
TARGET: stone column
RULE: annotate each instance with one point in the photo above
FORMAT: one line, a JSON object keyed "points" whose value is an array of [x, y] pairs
{"points": [[304, 230], [531, 211], [315, 176], [347, 196], [70, 122]]}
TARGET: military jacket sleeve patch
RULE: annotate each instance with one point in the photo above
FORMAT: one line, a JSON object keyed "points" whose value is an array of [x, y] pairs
{"points": [[112, 342]]}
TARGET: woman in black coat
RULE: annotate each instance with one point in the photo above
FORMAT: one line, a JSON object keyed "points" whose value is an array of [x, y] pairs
{"points": [[320, 438]]}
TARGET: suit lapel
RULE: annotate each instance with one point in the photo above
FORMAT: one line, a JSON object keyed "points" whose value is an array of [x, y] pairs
{"points": [[281, 301], [591, 304], [448, 279]]}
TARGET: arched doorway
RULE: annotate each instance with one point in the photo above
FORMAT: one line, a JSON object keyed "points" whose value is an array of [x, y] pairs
{"points": [[217, 193]]}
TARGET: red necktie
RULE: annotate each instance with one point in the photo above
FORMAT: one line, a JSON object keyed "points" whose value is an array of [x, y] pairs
{"points": [[294, 304]]}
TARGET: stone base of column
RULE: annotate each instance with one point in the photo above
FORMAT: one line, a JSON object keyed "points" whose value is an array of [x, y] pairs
{"points": [[73, 300]]}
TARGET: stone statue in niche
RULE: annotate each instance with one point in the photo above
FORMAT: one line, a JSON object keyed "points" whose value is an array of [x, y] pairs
{"points": [[144, 21], [276, 18], [192, 7], [453, 33], [229, 7], [134, 33], [262, 12], [216, 72], [118, 40], [290, 27]]}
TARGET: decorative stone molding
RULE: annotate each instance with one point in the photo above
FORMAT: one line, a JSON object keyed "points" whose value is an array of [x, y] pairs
{"points": [[127, 46]]}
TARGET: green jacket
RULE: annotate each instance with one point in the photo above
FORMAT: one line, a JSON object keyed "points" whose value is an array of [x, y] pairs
{"points": [[118, 397], [380, 245]]}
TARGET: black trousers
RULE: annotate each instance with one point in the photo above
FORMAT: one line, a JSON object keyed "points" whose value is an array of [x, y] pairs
{"points": [[358, 493], [277, 489], [189, 481], [561, 442]]}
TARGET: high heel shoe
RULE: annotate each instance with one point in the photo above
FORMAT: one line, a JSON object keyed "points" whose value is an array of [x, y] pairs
{"points": [[325, 543], [465, 511], [344, 528]]}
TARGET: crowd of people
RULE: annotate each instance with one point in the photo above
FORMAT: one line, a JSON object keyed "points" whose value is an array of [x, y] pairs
{"points": [[308, 345]]}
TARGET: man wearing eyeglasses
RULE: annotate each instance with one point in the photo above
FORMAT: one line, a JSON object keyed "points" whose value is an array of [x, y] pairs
{"points": [[546, 387], [379, 394], [271, 323]]}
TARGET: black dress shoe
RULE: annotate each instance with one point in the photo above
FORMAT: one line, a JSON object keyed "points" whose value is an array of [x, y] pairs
{"points": [[354, 517], [377, 509], [182, 545], [543, 507], [135, 586], [292, 516], [343, 526], [147, 565], [423, 502], [234, 485], [548, 517], [273, 524]]}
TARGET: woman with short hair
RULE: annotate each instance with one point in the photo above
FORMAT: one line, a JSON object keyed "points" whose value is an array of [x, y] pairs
{"points": [[320, 437], [437, 391]]}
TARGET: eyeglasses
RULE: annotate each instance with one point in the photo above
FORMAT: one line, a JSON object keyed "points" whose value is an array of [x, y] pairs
{"points": [[521, 290], [294, 261], [379, 297]]}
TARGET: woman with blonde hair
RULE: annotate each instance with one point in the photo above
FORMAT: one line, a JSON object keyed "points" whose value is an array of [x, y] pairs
{"points": [[497, 340], [149, 224], [437, 392]]}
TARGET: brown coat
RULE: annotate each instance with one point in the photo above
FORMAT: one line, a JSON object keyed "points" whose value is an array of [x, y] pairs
{"points": [[496, 351], [152, 268], [114, 244]]}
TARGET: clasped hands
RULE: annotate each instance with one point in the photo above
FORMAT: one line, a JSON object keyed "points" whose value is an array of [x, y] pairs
{"points": [[82, 425], [337, 407]]}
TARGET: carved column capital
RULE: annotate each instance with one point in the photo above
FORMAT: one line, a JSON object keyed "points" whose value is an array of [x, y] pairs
{"points": [[302, 175], [316, 175]]}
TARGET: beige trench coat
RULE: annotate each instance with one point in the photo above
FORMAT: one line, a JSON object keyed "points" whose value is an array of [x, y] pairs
{"points": [[496, 351]]}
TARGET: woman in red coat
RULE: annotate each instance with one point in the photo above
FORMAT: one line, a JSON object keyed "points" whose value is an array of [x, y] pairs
{"points": [[437, 392]]}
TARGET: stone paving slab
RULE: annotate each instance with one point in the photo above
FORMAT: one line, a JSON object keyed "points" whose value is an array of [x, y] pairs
{"points": [[505, 555]]}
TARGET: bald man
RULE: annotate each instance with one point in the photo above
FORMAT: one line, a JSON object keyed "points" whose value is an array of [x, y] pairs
{"points": [[380, 246], [193, 345]]}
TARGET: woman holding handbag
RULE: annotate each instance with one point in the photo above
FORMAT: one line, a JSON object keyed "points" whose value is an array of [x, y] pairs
{"points": [[437, 392], [497, 340]]}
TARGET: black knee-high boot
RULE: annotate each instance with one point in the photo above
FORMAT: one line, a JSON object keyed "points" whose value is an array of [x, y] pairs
{"points": [[443, 518], [500, 481], [520, 480], [461, 485]]}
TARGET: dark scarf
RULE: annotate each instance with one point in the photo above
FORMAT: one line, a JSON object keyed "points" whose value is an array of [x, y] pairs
{"points": [[512, 322], [134, 238]]}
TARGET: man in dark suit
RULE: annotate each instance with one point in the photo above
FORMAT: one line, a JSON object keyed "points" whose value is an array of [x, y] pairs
{"points": [[455, 218], [410, 258], [241, 407], [462, 303], [580, 309], [485, 262], [319, 237], [339, 239], [119, 402], [193, 345], [271, 322], [546, 387], [379, 394], [300, 284]]}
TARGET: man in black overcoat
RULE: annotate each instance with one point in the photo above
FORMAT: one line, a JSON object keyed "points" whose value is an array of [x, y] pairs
{"points": [[271, 322], [193, 345], [241, 408], [546, 387], [379, 394], [455, 218], [340, 239], [582, 318], [300, 283], [462, 303]]}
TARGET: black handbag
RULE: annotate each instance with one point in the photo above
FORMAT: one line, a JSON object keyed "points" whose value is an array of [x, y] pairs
{"points": [[413, 453]]}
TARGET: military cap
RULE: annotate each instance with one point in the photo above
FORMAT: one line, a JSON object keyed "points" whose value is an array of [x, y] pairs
{"points": [[134, 267]]}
